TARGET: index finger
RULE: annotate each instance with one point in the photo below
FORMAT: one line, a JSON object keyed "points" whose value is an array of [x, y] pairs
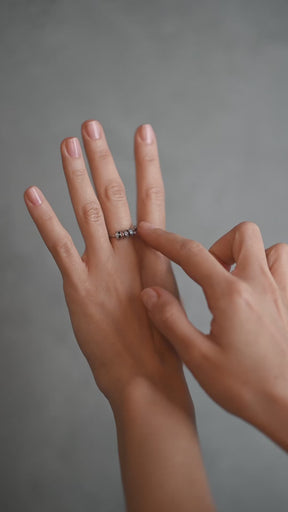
{"points": [[191, 255]]}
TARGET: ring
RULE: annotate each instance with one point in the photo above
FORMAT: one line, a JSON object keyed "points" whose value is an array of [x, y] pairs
{"points": [[126, 233]]}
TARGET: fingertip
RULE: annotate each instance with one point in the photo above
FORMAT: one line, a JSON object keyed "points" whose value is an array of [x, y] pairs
{"points": [[91, 129], [137, 132], [33, 195], [149, 297], [145, 134], [25, 193], [85, 122], [152, 235], [63, 149]]}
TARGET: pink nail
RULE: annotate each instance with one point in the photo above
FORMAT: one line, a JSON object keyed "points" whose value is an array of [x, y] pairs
{"points": [[93, 130], [34, 196], [73, 147], [147, 133]]}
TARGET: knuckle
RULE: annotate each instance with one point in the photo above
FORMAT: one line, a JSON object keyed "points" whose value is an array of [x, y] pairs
{"points": [[48, 215], [149, 157], [188, 250], [190, 247], [154, 194], [115, 192], [280, 249], [78, 174], [103, 153], [92, 212], [63, 247], [239, 293], [248, 227], [277, 254]]}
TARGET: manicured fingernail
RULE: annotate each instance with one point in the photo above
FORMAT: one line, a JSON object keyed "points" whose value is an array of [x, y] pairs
{"points": [[34, 196], [147, 133], [93, 130], [149, 297], [73, 147]]}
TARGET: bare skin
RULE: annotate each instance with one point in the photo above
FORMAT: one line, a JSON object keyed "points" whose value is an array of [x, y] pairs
{"points": [[134, 366], [243, 362]]}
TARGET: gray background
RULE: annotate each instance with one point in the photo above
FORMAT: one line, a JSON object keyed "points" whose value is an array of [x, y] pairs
{"points": [[211, 78]]}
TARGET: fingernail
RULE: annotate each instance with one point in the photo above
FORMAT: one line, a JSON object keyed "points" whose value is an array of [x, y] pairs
{"points": [[149, 297], [73, 147], [92, 129], [147, 133], [34, 196]]}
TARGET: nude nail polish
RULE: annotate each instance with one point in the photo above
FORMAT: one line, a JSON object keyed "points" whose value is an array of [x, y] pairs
{"points": [[92, 129], [34, 196], [73, 147], [147, 133]]}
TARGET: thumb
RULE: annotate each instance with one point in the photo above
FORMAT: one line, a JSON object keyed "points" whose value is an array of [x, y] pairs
{"points": [[168, 315]]}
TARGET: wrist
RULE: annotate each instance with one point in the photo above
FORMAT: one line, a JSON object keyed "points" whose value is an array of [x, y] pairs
{"points": [[271, 415], [277, 418], [159, 450], [143, 395]]}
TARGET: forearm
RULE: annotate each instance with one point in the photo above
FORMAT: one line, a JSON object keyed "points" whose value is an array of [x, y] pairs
{"points": [[160, 456]]}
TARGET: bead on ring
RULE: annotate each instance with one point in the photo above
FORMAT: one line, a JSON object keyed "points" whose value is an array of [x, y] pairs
{"points": [[126, 233]]}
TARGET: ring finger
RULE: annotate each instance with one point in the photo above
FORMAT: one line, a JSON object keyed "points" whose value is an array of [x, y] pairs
{"points": [[151, 194]]}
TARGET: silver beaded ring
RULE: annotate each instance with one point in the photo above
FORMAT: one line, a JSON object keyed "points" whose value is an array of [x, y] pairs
{"points": [[126, 233]]}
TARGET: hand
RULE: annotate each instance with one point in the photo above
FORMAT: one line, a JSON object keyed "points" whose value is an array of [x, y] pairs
{"points": [[102, 288], [243, 362], [138, 371]]}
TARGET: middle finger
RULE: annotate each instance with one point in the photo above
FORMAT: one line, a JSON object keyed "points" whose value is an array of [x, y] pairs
{"points": [[109, 186]]}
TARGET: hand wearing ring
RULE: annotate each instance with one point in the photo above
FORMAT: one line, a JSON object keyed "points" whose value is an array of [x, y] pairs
{"points": [[102, 288]]}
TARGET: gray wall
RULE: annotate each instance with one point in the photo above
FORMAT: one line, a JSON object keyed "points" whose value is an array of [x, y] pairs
{"points": [[211, 77]]}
